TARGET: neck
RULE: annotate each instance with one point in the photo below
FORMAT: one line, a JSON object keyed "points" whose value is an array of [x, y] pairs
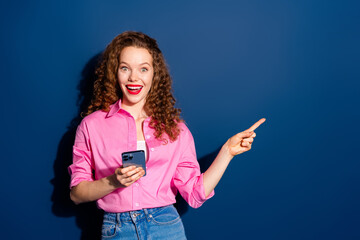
{"points": [[136, 110]]}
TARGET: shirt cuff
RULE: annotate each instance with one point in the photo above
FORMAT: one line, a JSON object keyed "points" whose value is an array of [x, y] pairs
{"points": [[199, 194], [78, 177]]}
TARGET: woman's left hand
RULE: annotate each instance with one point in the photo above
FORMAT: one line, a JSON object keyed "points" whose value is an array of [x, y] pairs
{"points": [[242, 141], [237, 144]]}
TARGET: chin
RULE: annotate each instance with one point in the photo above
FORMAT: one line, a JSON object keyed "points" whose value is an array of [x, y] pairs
{"points": [[132, 100]]}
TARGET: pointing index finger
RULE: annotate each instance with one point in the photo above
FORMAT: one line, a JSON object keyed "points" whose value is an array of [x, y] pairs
{"points": [[256, 125]]}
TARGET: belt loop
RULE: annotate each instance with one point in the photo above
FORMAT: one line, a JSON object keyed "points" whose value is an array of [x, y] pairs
{"points": [[118, 219], [147, 215]]}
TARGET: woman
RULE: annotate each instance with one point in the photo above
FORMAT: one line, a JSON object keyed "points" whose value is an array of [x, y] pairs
{"points": [[133, 108]]}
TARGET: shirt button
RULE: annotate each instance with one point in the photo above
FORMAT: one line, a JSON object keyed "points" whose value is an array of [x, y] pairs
{"points": [[137, 204], [147, 136], [152, 149], [136, 184]]}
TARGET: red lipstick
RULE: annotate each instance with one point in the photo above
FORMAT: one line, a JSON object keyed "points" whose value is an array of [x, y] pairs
{"points": [[134, 89]]}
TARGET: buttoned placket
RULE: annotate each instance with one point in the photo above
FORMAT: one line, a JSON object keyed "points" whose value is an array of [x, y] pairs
{"points": [[132, 147], [150, 144]]}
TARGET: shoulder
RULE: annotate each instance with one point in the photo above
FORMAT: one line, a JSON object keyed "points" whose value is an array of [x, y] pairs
{"points": [[93, 118], [185, 134], [183, 127]]}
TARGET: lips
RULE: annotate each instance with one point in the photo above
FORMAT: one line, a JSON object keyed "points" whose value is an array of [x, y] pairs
{"points": [[134, 89]]}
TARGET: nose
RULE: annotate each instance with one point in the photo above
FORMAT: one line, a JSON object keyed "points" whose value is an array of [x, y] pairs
{"points": [[133, 76]]}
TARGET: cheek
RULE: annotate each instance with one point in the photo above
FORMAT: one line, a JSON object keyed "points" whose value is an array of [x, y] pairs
{"points": [[149, 80], [122, 78]]}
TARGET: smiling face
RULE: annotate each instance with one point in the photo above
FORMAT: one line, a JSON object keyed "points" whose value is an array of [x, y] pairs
{"points": [[135, 75]]}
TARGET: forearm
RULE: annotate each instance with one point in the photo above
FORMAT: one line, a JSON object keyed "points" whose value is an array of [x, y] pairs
{"points": [[214, 173], [87, 191]]}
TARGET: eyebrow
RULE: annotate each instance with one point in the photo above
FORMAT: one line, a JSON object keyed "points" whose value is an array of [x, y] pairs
{"points": [[139, 64]]}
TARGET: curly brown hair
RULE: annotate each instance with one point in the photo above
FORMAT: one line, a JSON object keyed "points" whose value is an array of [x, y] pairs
{"points": [[159, 101]]}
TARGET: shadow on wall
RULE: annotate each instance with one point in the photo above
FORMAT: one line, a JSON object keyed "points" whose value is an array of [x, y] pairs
{"points": [[88, 216]]}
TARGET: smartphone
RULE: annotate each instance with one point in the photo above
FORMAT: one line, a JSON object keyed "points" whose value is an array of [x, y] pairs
{"points": [[134, 158]]}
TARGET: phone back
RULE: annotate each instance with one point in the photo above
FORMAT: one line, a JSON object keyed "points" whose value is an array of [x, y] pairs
{"points": [[134, 158]]}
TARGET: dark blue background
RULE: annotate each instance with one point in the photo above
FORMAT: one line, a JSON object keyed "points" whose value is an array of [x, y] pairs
{"points": [[295, 63]]}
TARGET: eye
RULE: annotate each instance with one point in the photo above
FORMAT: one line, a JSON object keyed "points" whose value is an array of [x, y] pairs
{"points": [[144, 69], [123, 68]]}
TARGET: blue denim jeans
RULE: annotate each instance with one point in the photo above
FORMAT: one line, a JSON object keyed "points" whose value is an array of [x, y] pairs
{"points": [[152, 223]]}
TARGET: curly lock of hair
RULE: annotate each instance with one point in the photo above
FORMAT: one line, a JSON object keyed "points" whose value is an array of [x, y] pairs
{"points": [[159, 101]]}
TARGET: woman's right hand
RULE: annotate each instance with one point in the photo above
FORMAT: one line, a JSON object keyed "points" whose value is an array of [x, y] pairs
{"points": [[124, 177], [87, 191]]}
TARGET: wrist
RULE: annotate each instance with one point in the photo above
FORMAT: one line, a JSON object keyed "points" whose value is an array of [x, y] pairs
{"points": [[225, 152], [112, 181]]}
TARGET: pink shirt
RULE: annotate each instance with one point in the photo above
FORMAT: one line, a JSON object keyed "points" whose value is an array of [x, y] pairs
{"points": [[100, 139]]}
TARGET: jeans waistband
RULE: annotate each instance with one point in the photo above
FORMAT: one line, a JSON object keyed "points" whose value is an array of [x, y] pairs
{"points": [[132, 215]]}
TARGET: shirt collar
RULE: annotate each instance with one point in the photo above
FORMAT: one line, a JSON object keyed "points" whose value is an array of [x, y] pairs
{"points": [[114, 108]]}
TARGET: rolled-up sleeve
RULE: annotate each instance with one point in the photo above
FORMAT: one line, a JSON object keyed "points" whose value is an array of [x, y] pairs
{"points": [[188, 179], [81, 169]]}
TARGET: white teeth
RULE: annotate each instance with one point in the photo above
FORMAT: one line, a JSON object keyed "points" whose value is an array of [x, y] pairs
{"points": [[133, 88]]}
